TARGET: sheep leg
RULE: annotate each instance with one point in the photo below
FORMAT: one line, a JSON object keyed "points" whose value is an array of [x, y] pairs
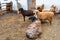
{"points": [[41, 20], [24, 18], [50, 20]]}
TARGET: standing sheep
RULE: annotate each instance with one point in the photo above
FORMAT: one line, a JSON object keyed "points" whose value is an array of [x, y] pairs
{"points": [[52, 9], [26, 12], [34, 30], [41, 7], [44, 15]]}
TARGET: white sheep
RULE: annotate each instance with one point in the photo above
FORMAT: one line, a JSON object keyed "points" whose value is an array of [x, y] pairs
{"points": [[34, 30]]}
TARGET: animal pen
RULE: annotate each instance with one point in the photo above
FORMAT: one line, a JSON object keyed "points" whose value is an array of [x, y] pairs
{"points": [[13, 27], [7, 9]]}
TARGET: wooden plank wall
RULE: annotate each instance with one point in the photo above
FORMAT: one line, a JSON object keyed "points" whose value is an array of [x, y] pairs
{"points": [[0, 5], [31, 4]]}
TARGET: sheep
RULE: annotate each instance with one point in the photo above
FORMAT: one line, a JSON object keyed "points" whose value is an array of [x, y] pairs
{"points": [[46, 10], [32, 18], [34, 30], [52, 9], [26, 12], [44, 15], [41, 7]]}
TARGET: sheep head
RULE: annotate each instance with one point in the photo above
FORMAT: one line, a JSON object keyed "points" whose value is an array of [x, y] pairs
{"points": [[41, 7], [21, 10], [53, 8]]}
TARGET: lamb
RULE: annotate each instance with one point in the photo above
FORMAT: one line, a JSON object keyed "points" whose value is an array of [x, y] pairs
{"points": [[44, 15], [26, 12], [32, 18], [34, 30]]}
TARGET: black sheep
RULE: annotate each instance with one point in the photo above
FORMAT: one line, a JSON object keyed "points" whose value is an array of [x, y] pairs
{"points": [[26, 12], [32, 18]]}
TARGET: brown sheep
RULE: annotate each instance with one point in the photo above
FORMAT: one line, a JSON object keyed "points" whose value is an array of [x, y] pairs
{"points": [[46, 10], [25, 13], [34, 30], [52, 9], [45, 16], [41, 7]]}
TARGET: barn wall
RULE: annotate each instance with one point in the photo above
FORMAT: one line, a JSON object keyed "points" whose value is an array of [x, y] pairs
{"points": [[3, 5], [14, 7], [47, 3], [23, 4]]}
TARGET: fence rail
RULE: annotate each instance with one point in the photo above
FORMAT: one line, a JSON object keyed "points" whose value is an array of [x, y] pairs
{"points": [[4, 5]]}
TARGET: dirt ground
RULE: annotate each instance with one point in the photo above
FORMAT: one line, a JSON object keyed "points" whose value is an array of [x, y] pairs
{"points": [[12, 27]]}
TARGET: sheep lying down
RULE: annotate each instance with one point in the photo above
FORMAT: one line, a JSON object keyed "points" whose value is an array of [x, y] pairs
{"points": [[34, 30]]}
